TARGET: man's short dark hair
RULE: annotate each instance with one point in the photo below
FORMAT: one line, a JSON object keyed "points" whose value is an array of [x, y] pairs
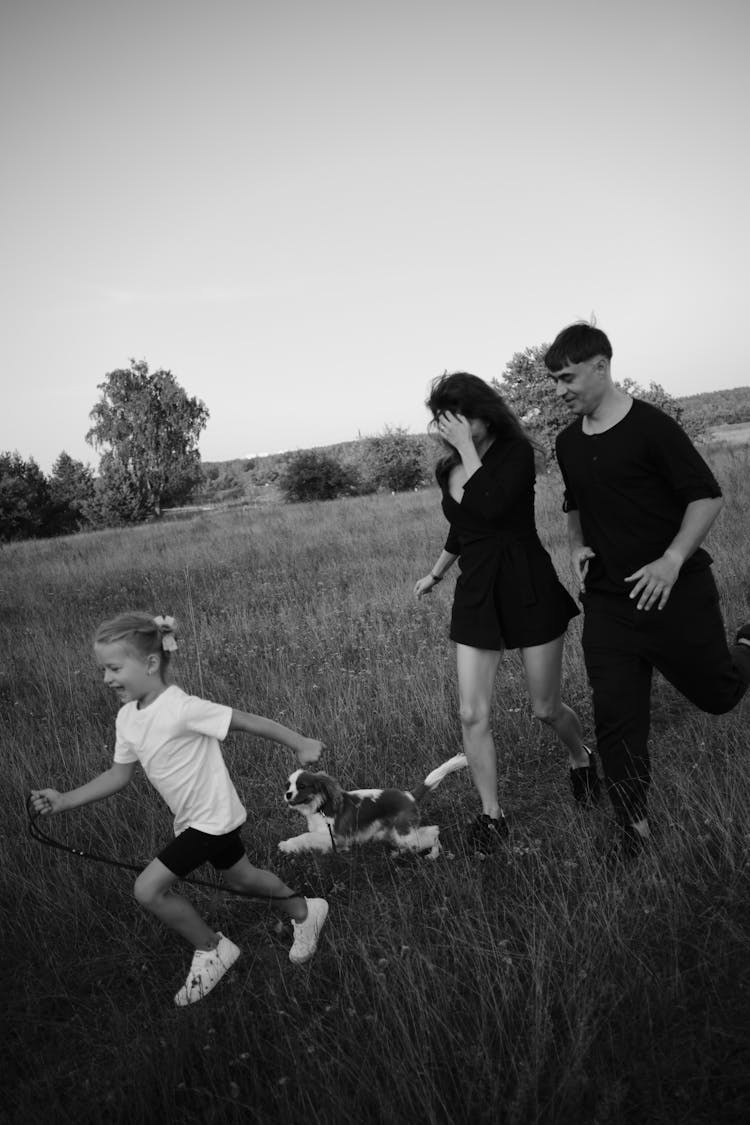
{"points": [[576, 344]]}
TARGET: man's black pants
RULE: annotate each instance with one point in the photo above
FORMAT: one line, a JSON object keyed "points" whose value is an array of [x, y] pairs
{"points": [[622, 645]]}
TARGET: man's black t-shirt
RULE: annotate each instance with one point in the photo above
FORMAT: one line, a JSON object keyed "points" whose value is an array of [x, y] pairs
{"points": [[631, 485]]}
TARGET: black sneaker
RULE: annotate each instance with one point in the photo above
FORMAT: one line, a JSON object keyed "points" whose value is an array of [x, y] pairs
{"points": [[585, 784], [486, 833], [743, 633]]}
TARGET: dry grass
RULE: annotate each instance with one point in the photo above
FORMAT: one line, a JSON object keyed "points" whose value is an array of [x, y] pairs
{"points": [[535, 987]]}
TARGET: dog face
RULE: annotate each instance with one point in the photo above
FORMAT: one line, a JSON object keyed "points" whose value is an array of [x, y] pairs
{"points": [[314, 792]]}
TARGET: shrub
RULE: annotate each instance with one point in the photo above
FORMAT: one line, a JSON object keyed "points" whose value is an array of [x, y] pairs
{"points": [[312, 475], [395, 460]]}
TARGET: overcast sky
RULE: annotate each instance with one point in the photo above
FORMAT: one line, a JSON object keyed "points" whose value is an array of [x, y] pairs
{"points": [[307, 209]]}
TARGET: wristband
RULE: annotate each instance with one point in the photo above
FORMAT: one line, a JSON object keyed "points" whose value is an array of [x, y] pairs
{"points": [[436, 577]]}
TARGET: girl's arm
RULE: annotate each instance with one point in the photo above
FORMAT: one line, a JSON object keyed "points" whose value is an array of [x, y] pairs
{"points": [[46, 801], [307, 749], [438, 572]]}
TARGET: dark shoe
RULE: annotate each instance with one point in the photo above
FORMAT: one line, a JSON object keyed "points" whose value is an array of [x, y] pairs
{"points": [[627, 847], [585, 784], [486, 834]]}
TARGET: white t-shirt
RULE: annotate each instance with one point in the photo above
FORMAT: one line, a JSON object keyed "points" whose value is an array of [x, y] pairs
{"points": [[176, 740]]}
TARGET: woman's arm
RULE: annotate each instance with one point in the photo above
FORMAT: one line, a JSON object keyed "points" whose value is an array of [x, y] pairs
{"points": [[437, 574], [456, 430], [307, 749], [46, 801]]}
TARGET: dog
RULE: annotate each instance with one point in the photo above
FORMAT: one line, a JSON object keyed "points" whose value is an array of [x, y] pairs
{"points": [[337, 819]]}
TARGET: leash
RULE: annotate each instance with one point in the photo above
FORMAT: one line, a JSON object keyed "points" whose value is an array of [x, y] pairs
{"points": [[41, 837]]}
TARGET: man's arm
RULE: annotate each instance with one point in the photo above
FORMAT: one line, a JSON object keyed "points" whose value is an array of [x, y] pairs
{"points": [[655, 580]]}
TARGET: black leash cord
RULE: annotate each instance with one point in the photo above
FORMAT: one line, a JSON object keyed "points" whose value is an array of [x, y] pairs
{"points": [[36, 833]]}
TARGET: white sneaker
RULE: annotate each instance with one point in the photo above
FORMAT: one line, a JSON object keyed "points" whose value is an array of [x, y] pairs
{"points": [[306, 933], [206, 970]]}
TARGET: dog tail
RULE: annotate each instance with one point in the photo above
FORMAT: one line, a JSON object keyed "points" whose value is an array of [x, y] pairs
{"points": [[436, 776]]}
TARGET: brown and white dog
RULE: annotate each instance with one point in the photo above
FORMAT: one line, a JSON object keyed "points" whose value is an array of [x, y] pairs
{"points": [[337, 819]]}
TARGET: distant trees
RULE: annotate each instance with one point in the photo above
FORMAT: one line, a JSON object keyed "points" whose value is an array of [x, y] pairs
{"points": [[33, 505], [147, 429], [394, 460], [24, 497], [72, 494], [525, 385], [717, 408]]}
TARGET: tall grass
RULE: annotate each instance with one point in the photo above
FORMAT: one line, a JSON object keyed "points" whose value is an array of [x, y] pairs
{"points": [[536, 986]]}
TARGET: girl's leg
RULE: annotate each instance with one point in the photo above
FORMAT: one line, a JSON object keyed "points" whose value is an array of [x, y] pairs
{"points": [[477, 669], [153, 889], [308, 915], [242, 876], [543, 668]]}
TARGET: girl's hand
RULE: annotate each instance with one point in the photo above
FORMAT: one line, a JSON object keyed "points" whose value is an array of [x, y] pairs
{"points": [[46, 801], [456, 430], [309, 751], [424, 586]]}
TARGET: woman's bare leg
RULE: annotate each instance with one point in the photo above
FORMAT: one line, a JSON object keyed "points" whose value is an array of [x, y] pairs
{"points": [[477, 669]]}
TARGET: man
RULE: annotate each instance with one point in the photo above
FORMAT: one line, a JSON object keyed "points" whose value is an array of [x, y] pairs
{"points": [[640, 500]]}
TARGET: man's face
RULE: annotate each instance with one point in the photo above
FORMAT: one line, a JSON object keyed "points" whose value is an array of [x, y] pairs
{"points": [[582, 386]]}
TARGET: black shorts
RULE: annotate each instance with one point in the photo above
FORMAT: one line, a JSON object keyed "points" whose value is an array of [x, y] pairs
{"points": [[192, 848]]}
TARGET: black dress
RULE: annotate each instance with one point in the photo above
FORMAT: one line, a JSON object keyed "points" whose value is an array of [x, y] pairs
{"points": [[508, 594]]}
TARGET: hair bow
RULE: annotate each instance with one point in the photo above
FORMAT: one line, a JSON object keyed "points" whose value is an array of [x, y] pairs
{"points": [[165, 625]]}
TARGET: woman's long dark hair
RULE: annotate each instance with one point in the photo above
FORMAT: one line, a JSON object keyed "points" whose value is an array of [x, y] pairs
{"points": [[461, 393]]}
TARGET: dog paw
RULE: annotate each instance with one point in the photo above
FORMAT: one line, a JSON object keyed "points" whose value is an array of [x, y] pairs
{"points": [[286, 845]]}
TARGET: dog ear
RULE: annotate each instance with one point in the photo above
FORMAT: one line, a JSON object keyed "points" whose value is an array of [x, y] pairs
{"points": [[333, 794]]}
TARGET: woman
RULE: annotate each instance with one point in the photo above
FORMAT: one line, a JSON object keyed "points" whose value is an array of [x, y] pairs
{"points": [[508, 594]]}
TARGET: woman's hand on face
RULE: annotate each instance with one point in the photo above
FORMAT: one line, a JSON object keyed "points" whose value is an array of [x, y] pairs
{"points": [[455, 429]]}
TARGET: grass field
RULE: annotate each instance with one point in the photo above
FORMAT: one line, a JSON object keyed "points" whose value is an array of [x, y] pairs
{"points": [[532, 987]]}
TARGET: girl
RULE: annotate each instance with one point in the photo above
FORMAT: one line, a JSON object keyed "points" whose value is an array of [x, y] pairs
{"points": [[176, 739], [507, 595]]}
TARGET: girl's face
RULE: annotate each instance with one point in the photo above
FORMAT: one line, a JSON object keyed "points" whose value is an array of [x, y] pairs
{"points": [[131, 676]]}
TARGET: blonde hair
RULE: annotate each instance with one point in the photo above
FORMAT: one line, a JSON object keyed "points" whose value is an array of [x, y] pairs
{"points": [[141, 632]]}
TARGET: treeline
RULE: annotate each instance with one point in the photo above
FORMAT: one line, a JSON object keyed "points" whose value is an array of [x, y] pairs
{"points": [[717, 408], [393, 461], [73, 499], [147, 429]]}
